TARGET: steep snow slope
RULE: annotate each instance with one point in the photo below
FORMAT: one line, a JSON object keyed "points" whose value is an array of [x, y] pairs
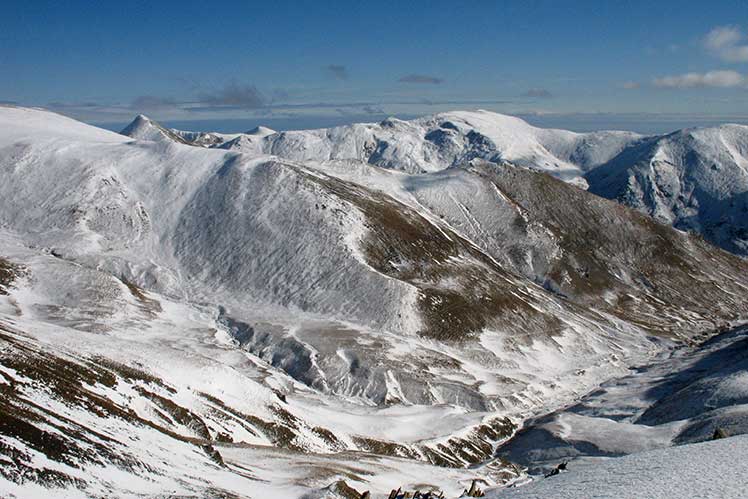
{"points": [[585, 249], [589, 243], [695, 179]]}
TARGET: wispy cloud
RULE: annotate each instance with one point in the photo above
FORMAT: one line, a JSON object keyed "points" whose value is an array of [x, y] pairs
{"points": [[728, 43], [538, 93], [234, 95], [279, 94], [722, 79], [630, 85], [373, 110], [337, 71], [422, 79], [73, 105], [151, 102]]}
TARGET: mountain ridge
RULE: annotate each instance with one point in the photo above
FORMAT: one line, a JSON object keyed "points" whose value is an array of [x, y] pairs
{"points": [[630, 168]]}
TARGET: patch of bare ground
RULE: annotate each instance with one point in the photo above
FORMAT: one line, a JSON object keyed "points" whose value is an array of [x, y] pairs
{"points": [[9, 273], [149, 306], [651, 274]]}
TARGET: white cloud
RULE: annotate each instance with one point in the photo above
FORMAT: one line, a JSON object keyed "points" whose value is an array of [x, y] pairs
{"points": [[728, 43], [723, 79], [630, 85]]}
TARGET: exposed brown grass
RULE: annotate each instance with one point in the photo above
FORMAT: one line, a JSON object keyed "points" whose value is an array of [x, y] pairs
{"points": [[9, 272], [462, 290], [149, 306]]}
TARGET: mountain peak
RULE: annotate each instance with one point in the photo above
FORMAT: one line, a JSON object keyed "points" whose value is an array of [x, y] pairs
{"points": [[144, 128], [138, 126], [260, 131]]}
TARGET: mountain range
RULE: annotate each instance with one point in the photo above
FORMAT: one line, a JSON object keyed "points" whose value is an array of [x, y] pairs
{"points": [[694, 179], [237, 315]]}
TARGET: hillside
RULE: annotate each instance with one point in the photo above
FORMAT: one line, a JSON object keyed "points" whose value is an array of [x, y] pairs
{"points": [[659, 417], [681, 398]]}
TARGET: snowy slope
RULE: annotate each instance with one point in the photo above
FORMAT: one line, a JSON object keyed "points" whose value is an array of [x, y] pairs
{"points": [[19, 123], [211, 300], [109, 390], [712, 470]]}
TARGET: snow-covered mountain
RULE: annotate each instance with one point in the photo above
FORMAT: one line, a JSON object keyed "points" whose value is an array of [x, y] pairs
{"points": [[428, 144], [694, 179], [192, 320], [143, 128]]}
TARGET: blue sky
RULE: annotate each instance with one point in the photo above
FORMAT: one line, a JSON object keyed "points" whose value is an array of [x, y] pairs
{"points": [[301, 64]]}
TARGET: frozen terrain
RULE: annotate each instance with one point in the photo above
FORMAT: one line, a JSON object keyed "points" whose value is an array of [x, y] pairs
{"points": [[185, 314], [711, 470], [684, 397], [428, 144]]}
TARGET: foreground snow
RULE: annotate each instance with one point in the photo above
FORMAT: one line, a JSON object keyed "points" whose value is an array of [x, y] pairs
{"points": [[709, 470]]}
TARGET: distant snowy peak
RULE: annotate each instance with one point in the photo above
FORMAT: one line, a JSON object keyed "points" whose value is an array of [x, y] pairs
{"points": [[444, 140], [695, 179], [244, 143], [144, 128], [261, 131], [561, 153]]}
